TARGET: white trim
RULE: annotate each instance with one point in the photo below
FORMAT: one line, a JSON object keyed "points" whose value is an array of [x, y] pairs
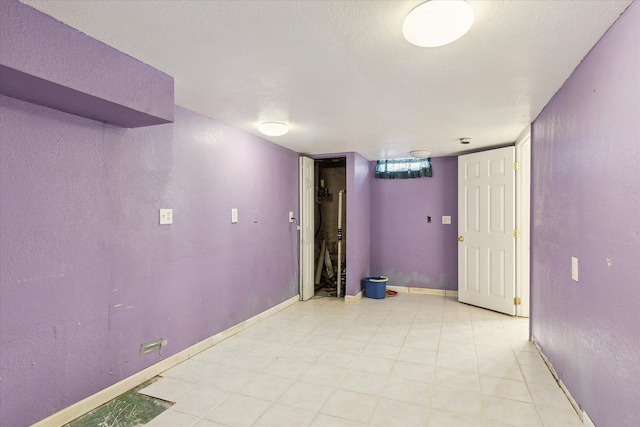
{"points": [[586, 420], [523, 221], [299, 227], [353, 298], [90, 403], [452, 293], [400, 289], [575, 404]]}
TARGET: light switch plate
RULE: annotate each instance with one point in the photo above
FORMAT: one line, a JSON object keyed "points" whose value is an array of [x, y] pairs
{"points": [[234, 216], [446, 219], [166, 216], [574, 268]]}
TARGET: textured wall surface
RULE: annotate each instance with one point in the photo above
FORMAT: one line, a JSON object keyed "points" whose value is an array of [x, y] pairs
{"points": [[87, 273], [404, 247], [585, 204], [359, 224], [61, 67]]}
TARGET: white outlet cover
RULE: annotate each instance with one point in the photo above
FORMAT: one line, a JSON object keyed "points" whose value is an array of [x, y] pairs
{"points": [[446, 219], [574, 268], [234, 216], [166, 216]]}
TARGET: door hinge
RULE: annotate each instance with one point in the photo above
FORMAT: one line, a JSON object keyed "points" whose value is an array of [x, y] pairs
{"points": [[517, 301], [516, 166], [516, 234]]}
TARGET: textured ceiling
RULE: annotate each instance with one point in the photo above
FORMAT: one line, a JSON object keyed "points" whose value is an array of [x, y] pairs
{"points": [[340, 72]]}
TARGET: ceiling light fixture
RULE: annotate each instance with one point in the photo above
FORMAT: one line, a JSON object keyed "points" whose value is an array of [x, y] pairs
{"points": [[437, 22], [273, 128], [420, 154], [465, 140]]}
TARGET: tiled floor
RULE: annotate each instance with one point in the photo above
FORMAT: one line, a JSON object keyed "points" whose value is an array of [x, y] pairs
{"points": [[410, 360]]}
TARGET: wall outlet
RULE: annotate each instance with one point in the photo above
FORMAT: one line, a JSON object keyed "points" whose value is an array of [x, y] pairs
{"points": [[290, 216], [166, 216], [446, 219], [234, 216], [574, 268], [255, 217]]}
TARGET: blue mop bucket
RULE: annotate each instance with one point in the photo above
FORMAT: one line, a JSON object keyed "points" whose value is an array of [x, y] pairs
{"points": [[375, 287]]}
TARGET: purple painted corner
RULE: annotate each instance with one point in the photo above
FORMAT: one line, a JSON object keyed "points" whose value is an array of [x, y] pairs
{"points": [[585, 204], [404, 246]]}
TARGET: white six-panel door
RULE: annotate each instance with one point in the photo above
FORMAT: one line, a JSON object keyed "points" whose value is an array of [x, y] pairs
{"points": [[486, 225], [307, 225]]}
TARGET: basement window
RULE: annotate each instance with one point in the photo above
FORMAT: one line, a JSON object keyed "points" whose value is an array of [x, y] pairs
{"points": [[403, 168]]}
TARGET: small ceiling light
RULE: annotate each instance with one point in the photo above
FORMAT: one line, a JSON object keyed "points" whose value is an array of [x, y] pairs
{"points": [[465, 140], [420, 154], [437, 22], [273, 128]]}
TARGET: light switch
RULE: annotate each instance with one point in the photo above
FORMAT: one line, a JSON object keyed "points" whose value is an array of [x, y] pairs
{"points": [[446, 219], [166, 216], [234, 216], [574, 268]]}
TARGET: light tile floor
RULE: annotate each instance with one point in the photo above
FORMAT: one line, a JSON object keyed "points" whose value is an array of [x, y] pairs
{"points": [[410, 360]]}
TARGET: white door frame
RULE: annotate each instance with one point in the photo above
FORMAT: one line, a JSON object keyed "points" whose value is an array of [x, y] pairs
{"points": [[523, 221], [486, 225], [307, 226]]}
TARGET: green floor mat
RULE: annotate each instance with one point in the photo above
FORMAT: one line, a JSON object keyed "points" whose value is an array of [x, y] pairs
{"points": [[128, 410]]}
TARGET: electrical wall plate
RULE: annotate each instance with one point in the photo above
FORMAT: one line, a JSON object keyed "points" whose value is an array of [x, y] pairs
{"points": [[446, 219], [166, 216]]}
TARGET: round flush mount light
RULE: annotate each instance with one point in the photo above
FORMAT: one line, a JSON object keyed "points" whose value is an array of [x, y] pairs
{"points": [[273, 128], [420, 154], [437, 22]]}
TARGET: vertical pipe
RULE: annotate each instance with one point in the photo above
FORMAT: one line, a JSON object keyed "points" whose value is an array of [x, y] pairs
{"points": [[320, 262], [339, 273]]}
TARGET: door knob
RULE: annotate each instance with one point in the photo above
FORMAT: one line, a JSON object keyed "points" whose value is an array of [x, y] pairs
{"points": [[461, 239]]}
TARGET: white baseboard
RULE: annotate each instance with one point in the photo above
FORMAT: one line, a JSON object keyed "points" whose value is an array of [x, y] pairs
{"points": [[399, 289], [353, 298], [575, 404], [423, 291], [90, 403], [586, 421]]}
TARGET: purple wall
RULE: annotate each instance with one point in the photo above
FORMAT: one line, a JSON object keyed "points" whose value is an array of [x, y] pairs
{"points": [[359, 225], [404, 246], [585, 203], [87, 273], [61, 67]]}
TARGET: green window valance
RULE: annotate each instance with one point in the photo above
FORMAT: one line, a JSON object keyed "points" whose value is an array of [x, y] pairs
{"points": [[403, 168]]}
